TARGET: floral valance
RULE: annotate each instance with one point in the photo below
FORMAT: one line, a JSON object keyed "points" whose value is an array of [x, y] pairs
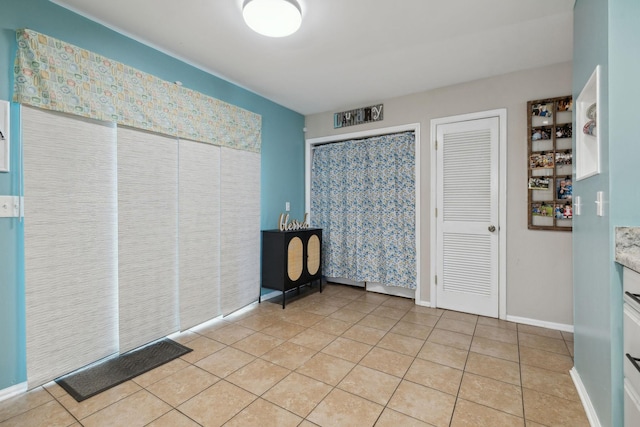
{"points": [[55, 75]]}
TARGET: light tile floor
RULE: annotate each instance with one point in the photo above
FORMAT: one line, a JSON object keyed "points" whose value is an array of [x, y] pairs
{"points": [[344, 357]]}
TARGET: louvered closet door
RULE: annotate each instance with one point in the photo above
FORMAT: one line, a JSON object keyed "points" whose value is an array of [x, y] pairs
{"points": [[467, 195]]}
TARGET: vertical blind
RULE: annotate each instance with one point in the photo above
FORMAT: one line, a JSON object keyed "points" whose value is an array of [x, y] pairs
{"points": [[199, 232], [129, 237], [70, 242], [147, 236], [239, 228]]}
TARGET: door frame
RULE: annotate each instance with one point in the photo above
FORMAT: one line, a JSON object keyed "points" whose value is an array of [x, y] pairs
{"points": [[501, 114], [414, 127]]}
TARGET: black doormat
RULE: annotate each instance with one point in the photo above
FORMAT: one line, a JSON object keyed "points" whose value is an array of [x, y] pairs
{"points": [[96, 378]]}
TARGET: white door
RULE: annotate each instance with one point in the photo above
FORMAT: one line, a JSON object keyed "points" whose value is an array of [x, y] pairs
{"points": [[467, 156]]}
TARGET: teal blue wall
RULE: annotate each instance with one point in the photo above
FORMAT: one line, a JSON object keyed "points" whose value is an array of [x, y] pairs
{"points": [[606, 32], [624, 98], [624, 154], [592, 245], [12, 321], [282, 167]]}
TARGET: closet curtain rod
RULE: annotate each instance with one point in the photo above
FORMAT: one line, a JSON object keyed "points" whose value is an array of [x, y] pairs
{"points": [[314, 146]]}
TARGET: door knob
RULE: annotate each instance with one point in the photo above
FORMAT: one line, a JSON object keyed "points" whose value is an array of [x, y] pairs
{"points": [[492, 228]]}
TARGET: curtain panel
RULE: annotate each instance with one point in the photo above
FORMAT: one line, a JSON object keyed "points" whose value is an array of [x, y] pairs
{"points": [[363, 197], [55, 75]]}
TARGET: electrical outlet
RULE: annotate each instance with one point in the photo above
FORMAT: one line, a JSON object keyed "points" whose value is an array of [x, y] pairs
{"points": [[577, 205], [9, 206], [599, 203]]}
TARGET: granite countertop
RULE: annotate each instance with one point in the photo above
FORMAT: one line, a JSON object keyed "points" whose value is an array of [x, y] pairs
{"points": [[628, 247]]}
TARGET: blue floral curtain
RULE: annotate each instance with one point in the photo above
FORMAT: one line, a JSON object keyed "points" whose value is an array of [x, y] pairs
{"points": [[363, 197]]}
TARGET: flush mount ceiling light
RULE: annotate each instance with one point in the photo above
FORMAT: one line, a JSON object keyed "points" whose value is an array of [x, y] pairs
{"points": [[273, 18]]}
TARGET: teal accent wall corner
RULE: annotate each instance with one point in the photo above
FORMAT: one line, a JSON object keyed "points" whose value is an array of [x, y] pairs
{"points": [[282, 168], [12, 295], [282, 162], [606, 34], [624, 152], [624, 97], [592, 246]]}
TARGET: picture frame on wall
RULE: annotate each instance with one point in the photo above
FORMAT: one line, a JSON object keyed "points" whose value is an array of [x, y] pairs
{"points": [[539, 183], [564, 188], [565, 105], [563, 210], [542, 209], [542, 161], [542, 109], [564, 158], [550, 133], [564, 131], [541, 133]]}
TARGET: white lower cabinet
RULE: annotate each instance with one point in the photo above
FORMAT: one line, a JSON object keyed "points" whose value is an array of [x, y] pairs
{"points": [[631, 310]]}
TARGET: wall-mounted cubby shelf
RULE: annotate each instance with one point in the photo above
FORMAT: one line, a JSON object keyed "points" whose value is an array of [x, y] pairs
{"points": [[549, 163]]}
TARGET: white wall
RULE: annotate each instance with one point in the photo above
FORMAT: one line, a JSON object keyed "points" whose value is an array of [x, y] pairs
{"points": [[539, 273]]}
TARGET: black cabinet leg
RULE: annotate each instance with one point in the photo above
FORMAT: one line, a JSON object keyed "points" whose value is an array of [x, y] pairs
{"points": [[283, 300]]}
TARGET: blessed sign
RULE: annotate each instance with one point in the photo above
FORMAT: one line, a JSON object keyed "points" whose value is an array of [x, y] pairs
{"points": [[285, 225], [358, 116]]}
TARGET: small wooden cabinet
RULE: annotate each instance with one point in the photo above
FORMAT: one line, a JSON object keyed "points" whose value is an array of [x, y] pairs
{"points": [[291, 259]]}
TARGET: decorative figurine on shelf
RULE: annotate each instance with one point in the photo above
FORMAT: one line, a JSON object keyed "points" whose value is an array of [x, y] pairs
{"points": [[589, 127]]}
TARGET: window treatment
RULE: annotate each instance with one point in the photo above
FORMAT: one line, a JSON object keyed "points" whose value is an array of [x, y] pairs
{"points": [[199, 232], [71, 246], [239, 229], [105, 245], [55, 75], [147, 237], [127, 237], [363, 197]]}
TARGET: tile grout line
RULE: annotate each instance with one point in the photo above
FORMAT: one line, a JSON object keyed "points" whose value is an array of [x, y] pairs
{"points": [[464, 369], [359, 298], [524, 412]]}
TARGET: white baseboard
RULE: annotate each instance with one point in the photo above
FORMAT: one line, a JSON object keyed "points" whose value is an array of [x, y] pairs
{"points": [[541, 323], [423, 303], [584, 398], [345, 281], [12, 391], [390, 290]]}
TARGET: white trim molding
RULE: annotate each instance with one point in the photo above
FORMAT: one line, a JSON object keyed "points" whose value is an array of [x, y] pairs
{"points": [[13, 391], [415, 127], [423, 303], [501, 113], [584, 398], [541, 323]]}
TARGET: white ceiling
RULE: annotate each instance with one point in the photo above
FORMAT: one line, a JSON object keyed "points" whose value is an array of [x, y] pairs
{"points": [[349, 53]]}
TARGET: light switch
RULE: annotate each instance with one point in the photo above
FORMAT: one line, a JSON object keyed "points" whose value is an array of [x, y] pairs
{"points": [[577, 205], [4, 136], [9, 206], [599, 204], [287, 206]]}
